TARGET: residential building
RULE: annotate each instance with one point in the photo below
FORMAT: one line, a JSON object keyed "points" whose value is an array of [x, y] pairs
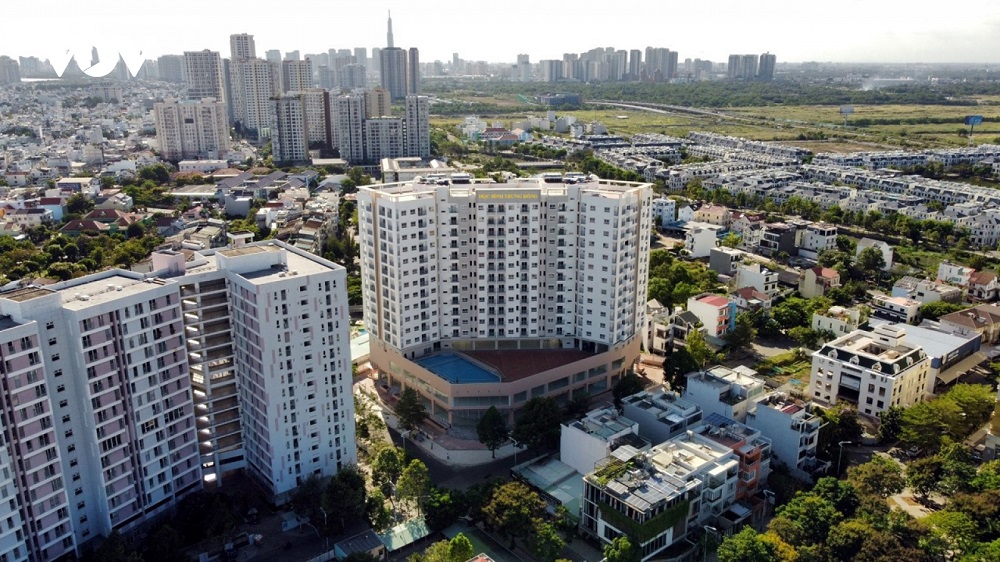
{"points": [[204, 75], [192, 129], [875, 370], [983, 286], [384, 138], [793, 428], [661, 414], [716, 313], [348, 113], [724, 260], [319, 120], [378, 103], [749, 299], [765, 71], [816, 238], [883, 247], [289, 137], [242, 47], [700, 238], [418, 126], [393, 69], [983, 319], [171, 68], [666, 330], [838, 320], [713, 214], [516, 305], [584, 442], [664, 209], [413, 72], [724, 391], [778, 238], [254, 83], [296, 75], [683, 483], [896, 309], [10, 71], [816, 281], [954, 274], [925, 291], [757, 276]]}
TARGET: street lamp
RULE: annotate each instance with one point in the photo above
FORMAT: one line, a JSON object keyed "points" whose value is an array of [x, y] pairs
{"points": [[325, 527], [708, 529], [516, 447], [840, 455]]}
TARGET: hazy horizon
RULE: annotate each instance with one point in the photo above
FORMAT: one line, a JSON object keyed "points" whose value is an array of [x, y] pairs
{"points": [[852, 31]]}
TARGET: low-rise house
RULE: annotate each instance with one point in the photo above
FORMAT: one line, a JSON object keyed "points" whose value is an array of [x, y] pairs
{"points": [[816, 281], [724, 261], [27, 218], [983, 286], [925, 291], [749, 299], [778, 238], [661, 414], [757, 276], [838, 319], [817, 238], [713, 214], [792, 425], [954, 274], [879, 245], [983, 319], [699, 239], [724, 391], [585, 442], [896, 309], [716, 313]]}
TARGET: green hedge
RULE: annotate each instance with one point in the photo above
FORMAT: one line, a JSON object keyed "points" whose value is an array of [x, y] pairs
{"points": [[644, 532]]}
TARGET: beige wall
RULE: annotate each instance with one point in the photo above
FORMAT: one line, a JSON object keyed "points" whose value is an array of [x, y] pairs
{"points": [[442, 394]]}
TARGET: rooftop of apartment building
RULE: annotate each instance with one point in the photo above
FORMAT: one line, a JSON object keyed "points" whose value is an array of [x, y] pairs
{"points": [[461, 181], [516, 364], [726, 432], [713, 300], [884, 350], [722, 377], [786, 404], [605, 423], [839, 312]]}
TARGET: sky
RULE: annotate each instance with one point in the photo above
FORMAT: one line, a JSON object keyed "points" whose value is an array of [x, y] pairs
{"points": [[843, 31]]}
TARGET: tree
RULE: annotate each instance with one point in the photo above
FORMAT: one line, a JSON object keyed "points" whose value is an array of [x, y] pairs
{"points": [[805, 520], [443, 507], [880, 476], [629, 384], [512, 509], [843, 495], [492, 429], [379, 516], [698, 347], [79, 204], [924, 475], [750, 546], [345, 499], [847, 537], [621, 549], [544, 542], [870, 261], [308, 498], [890, 423], [115, 549], [414, 483], [975, 401], [538, 423], [410, 410], [743, 334], [957, 530], [957, 470], [387, 466], [164, 545], [460, 548], [731, 240], [924, 422], [937, 309]]}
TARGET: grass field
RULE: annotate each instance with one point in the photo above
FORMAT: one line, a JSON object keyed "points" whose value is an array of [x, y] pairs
{"points": [[782, 123]]}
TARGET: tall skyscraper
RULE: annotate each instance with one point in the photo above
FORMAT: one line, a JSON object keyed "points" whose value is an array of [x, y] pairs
{"points": [[554, 284], [319, 126], [766, 69], [296, 75], [352, 76], [748, 67], [171, 68], [522, 71], [241, 46], [192, 129], [394, 72], [376, 64], [349, 116], [413, 71], [733, 71], [377, 103], [10, 71], [273, 55], [634, 64], [361, 56], [388, 35], [254, 84], [204, 74], [289, 139], [383, 138], [418, 126], [292, 55]]}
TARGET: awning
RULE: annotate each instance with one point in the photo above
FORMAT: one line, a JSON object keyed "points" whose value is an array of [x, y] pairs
{"points": [[952, 373]]}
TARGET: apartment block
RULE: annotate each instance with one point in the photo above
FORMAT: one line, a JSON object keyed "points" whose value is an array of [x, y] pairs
{"points": [[540, 284], [192, 129], [896, 309], [203, 72], [418, 126], [125, 392], [716, 312], [289, 138], [793, 428]]}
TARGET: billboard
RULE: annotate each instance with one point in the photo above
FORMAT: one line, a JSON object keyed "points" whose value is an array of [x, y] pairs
{"points": [[973, 120]]}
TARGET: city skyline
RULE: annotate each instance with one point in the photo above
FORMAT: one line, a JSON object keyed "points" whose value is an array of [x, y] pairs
{"points": [[846, 32]]}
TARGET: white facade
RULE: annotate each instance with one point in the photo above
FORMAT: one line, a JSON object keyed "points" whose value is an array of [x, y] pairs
{"points": [[383, 138], [296, 75], [666, 209], [699, 239], [816, 238], [838, 320], [793, 428], [661, 414], [253, 83], [716, 313], [727, 392], [875, 370], [584, 442], [289, 141], [756, 276], [202, 166], [204, 74], [192, 129], [418, 126], [897, 309], [348, 117]]}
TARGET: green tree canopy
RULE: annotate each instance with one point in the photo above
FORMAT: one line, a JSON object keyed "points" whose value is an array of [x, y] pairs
{"points": [[621, 549], [512, 509], [538, 423], [629, 384], [414, 483], [880, 477], [492, 430], [410, 410]]}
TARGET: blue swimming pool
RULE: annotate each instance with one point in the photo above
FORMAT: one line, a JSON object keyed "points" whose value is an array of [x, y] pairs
{"points": [[456, 369]]}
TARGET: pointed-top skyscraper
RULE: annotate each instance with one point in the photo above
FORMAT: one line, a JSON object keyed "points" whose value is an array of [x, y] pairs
{"points": [[388, 35], [393, 68]]}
